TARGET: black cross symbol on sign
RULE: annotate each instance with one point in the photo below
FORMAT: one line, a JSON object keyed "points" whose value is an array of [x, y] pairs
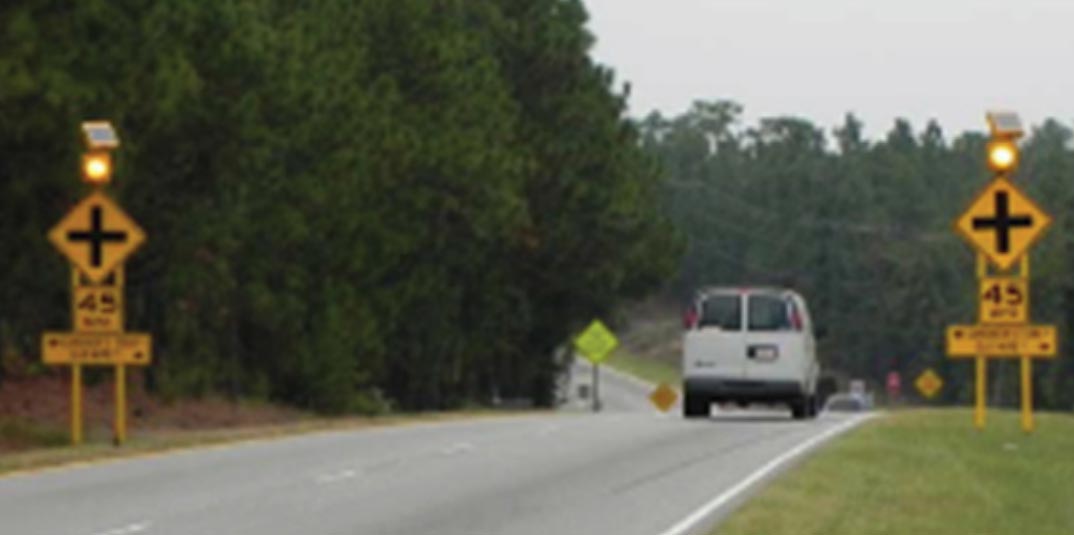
{"points": [[96, 236], [1003, 222]]}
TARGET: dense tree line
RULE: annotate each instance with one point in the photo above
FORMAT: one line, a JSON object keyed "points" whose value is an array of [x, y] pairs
{"points": [[864, 229], [348, 202]]}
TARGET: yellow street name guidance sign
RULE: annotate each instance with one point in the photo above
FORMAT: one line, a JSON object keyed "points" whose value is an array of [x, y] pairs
{"points": [[96, 349], [1010, 341]]}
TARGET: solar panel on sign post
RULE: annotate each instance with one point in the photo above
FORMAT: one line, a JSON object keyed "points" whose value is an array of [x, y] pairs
{"points": [[1005, 123], [100, 135]]}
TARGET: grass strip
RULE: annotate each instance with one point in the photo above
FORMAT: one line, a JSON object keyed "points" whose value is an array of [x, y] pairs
{"points": [[926, 472]]}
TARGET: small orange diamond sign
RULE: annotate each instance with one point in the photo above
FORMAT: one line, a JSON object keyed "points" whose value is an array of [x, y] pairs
{"points": [[928, 383], [664, 397]]}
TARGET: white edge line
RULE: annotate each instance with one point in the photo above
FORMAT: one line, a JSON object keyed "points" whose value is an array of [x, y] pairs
{"points": [[127, 530], [691, 521], [631, 378]]}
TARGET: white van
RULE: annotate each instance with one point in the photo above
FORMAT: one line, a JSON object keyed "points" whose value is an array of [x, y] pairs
{"points": [[749, 345]]}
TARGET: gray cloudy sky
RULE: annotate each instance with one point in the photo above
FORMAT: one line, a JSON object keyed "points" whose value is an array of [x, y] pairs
{"points": [[920, 59]]}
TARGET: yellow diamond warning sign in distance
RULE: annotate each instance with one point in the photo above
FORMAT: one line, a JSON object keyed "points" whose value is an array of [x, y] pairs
{"points": [[664, 397], [596, 342], [96, 236], [1002, 223], [928, 384], [1002, 341]]}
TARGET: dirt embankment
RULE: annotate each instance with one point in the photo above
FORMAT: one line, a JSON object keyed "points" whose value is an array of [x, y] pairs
{"points": [[35, 411]]}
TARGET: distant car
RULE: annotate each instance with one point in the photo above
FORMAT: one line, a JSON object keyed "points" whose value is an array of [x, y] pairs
{"points": [[847, 403], [749, 345]]}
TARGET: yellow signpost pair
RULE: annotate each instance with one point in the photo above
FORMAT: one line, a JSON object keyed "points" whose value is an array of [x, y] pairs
{"points": [[97, 237], [596, 343], [1002, 223]]}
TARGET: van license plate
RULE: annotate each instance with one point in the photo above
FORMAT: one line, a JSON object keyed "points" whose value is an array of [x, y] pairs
{"points": [[764, 353]]}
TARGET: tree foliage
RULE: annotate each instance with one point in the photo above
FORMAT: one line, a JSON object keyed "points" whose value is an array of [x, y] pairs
{"points": [[864, 229], [346, 201]]}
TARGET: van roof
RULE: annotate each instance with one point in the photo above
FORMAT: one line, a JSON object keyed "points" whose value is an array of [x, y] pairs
{"points": [[712, 290]]}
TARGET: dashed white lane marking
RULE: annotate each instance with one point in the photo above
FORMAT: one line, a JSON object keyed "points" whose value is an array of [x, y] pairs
{"points": [[337, 476], [548, 430], [127, 530], [457, 448], [687, 524]]}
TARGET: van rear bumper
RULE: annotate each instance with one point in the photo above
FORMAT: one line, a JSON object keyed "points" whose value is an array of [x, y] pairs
{"points": [[720, 390]]}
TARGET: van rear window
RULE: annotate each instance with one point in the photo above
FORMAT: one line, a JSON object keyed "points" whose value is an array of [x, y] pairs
{"points": [[722, 311], [769, 313]]}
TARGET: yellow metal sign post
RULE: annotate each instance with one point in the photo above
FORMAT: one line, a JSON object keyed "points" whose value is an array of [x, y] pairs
{"points": [[97, 237], [595, 343], [1002, 223]]}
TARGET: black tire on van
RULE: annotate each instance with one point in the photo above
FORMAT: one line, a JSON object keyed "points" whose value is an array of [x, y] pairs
{"points": [[695, 406], [812, 406], [800, 408]]}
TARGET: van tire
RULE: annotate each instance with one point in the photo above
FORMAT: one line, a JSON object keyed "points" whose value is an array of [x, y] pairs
{"points": [[812, 407], [800, 408], [695, 406]]}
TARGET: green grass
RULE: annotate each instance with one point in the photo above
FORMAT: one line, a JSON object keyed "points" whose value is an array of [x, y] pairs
{"points": [[645, 368], [21, 434], [926, 472]]}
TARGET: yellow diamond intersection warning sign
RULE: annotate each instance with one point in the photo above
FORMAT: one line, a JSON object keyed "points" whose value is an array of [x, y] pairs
{"points": [[596, 342], [1002, 223], [664, 397], [928, 383], [96, 236], [1001, 341]]}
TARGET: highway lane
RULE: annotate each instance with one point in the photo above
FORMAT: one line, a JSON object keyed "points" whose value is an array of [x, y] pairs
{"points": [[619, 392], [612, 473]]}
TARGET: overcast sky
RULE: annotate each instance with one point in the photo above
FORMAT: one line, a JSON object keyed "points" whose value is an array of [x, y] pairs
{"points": [[920, 59]]}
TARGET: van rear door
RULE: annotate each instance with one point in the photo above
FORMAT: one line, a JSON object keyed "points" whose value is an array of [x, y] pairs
{"points": [[716, 348], [774, 338]]}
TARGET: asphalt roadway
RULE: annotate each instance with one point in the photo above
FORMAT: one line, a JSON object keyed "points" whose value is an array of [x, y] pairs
{"points": [[620, 472]]}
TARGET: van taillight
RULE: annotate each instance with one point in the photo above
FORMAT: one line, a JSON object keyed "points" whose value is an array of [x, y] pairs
{"points": [[689, 319], [796, 319]]}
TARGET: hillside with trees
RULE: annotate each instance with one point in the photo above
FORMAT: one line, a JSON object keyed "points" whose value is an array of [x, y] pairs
{"points": [[350, 204], [864, 229]]}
